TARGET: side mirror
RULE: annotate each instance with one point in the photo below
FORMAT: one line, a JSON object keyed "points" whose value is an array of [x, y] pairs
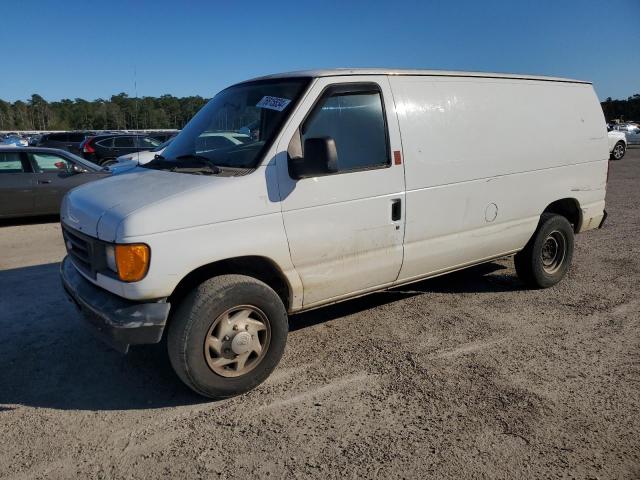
{"points": [[320, 158]]}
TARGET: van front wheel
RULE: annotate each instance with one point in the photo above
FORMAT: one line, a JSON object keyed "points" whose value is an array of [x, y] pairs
{"points": [[546, 258], [227, 336]]}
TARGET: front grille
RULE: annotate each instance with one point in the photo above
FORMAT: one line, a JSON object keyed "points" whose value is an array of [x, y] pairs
{"points": [[87, 253]]}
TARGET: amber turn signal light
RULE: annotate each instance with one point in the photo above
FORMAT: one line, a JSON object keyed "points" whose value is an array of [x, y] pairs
{"points": [[132, 261]]}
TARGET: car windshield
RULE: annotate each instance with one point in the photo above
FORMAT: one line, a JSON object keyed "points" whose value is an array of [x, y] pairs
{"points": [[235, 128]]}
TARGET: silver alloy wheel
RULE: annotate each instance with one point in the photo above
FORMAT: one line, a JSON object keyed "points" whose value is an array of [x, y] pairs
{"points": [[237, 341], [618, 151], [554, 251]]}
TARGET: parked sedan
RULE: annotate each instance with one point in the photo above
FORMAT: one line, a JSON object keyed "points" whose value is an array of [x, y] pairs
{"points": [[617, 144], [104, 149], [33, 180], [631, 132], [144, 156]]}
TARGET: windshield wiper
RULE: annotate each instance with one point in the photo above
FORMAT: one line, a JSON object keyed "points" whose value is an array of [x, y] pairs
{"points": [[192, 162], [188, 164]]}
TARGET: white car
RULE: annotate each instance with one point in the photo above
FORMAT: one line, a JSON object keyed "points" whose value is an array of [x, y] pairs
{"points": [[207, 141], [345, 182], [142, 157], [631, 132], [215, 140], [617, 144]]}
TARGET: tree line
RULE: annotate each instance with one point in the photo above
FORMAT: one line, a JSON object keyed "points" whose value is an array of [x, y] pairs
{"points": [[122, 112], [627, 110]]}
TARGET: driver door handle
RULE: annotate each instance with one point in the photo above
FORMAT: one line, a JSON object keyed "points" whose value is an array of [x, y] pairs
{"points": [[396, 209], [41, 182]]}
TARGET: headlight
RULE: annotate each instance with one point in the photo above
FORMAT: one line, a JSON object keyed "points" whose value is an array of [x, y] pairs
{"points": [[131, 261]]}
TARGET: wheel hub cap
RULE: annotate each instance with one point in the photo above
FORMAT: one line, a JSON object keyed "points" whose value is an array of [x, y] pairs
{"points": [[619, 149], [241, 343], [553, 252], [237, 341]]}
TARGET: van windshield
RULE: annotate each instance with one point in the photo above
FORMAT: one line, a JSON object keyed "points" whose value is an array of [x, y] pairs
{"points": [[234, 129]]}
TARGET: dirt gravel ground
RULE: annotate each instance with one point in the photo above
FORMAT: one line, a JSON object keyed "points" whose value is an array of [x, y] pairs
{"points": [[464, 376]]}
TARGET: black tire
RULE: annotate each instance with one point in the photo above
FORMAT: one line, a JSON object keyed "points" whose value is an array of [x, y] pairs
{"points": [[534, 265], [108, 161], [618, 151], [195, 317]]}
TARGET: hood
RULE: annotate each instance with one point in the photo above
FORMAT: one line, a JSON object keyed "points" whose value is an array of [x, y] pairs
{"points": [[146, 201], [84, 208]]}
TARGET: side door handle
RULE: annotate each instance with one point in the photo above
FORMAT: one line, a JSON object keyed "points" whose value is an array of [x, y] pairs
{"points": [[43, 182], [396, 209]]}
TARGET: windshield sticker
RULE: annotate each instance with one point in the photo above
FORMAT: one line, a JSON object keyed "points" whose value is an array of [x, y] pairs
{"points": [[273, 103]]}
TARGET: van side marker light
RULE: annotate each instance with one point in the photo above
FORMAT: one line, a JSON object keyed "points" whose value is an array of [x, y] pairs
{"points": [[397, 158]]}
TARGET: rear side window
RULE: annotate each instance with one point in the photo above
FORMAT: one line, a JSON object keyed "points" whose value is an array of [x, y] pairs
{"points": [[123, 142], [45, 162], [355, 120], [11, 162], [106, 143]]}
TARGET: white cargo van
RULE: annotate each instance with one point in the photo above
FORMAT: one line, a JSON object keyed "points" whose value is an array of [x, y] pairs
{"points": [[349, 181]]}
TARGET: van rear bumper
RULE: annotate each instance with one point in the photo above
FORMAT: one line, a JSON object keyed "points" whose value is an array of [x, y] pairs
{"points": [[117, 321]]}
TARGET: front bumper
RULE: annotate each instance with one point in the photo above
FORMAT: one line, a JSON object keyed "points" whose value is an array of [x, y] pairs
{"points": [[117, 321]]}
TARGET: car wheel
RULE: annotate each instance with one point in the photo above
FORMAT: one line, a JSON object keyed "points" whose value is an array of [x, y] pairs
{"points": [[546, 258], [107, 162], [227, 336], [618, 151]]}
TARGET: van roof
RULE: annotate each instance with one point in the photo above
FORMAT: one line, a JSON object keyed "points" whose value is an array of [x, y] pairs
{"points": [[334, 72]]}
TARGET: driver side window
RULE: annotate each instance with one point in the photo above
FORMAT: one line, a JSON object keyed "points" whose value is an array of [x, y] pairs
{"points": [[355, 120], [46, 162]]}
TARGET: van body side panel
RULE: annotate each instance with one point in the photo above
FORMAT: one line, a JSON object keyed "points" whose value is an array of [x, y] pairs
{"points": [[341, 234], [484, 157], [261, 236]]}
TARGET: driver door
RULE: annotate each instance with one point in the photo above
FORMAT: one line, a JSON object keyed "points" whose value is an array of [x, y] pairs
{"points": [[345, 229], [16, 185], [54, 177]]}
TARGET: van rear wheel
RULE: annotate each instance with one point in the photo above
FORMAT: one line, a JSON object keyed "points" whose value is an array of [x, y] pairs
{"points": [[546, 258], [227, 336]]}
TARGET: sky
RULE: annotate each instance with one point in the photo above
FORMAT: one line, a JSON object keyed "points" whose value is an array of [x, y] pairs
{"points": [[88, 49]]}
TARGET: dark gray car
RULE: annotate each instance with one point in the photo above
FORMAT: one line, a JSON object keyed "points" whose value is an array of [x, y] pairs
{"points": [[33, 180]]}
